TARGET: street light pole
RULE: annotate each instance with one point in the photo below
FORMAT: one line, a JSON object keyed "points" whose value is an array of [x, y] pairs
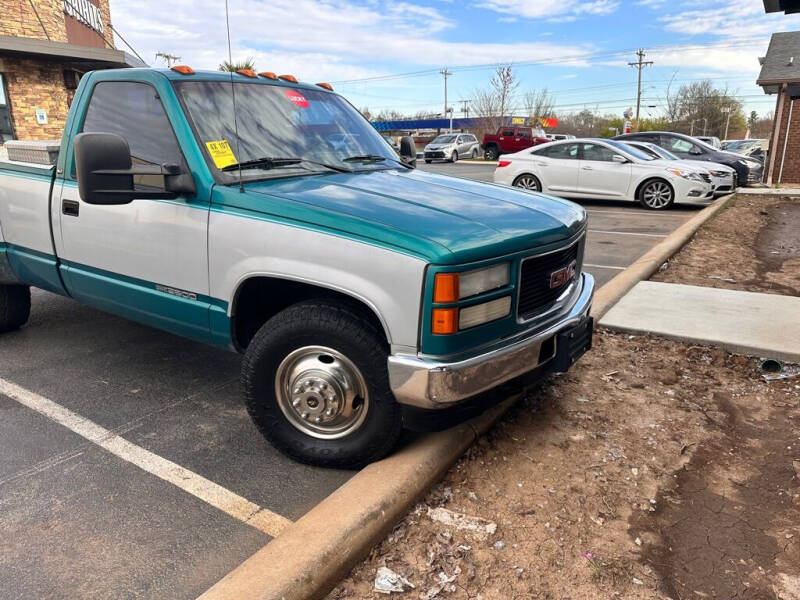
{"points": [[705, 124], [445, 73]]}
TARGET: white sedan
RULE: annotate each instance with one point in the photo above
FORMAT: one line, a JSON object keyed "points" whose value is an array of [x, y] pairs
{"points": [[723, 177], [604, 170]]}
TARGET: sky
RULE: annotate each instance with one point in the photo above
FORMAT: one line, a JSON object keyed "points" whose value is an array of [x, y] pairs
{"points": [[384, 54]]}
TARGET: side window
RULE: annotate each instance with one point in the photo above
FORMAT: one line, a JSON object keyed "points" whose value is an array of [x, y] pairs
{"points": [[472, 138], [507, 133], [559, 151], [524, 133], [597, 152], [677, 144], [134, 111], [461, 139]]}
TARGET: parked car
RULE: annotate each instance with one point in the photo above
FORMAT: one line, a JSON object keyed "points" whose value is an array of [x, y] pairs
{"points": [[511, 139], [711, 140], [755, 148], [604, 170], [721, 177], [747, 169], [557, 137], [451, 147], [365, 295]]}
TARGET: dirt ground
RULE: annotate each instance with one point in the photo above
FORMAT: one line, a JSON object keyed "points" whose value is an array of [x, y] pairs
{"points": [[654, 469], [752, 245]]}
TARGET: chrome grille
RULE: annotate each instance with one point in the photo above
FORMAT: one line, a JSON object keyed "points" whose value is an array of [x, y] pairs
{"points": [[535, 294]]}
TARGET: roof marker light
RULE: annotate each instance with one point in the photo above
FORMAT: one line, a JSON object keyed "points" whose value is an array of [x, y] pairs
{"points": [[291, 78], [268, 75], [247, 72], [327, 86], [183, 69]]}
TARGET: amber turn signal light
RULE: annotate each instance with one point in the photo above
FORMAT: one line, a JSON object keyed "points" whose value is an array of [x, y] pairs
{"points": [[291, 78], [327, 86], [183, 69], [444, 321], [445, 287], [268, 75], [247, 73]]}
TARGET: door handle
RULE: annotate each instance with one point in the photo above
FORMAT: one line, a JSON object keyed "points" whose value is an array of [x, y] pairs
{"points": [[587, 168], [541, 163], [70, 208]]}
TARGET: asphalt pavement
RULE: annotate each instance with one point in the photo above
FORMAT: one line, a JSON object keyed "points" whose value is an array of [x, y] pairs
{"points": [[130, 468]]}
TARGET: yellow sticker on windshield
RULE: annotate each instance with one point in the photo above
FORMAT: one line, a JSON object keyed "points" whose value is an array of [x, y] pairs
{"points": [[221, 153]]}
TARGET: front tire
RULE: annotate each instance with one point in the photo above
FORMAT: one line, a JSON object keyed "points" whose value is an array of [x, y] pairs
{"points": [[15, 306], [474, 153], [491, 153], [656, 194], [427, 161], [317, 387], [528, 182], [453, 156]]}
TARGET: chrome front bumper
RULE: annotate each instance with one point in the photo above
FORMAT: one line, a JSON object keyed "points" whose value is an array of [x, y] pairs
{"points": [[428, 383]]}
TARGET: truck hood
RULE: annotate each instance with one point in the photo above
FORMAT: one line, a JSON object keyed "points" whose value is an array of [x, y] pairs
{"points": [[445, 220]]}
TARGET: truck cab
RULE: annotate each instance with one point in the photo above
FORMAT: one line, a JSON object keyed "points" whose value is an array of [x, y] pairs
{"points": [[510, 139], [267, 217]]}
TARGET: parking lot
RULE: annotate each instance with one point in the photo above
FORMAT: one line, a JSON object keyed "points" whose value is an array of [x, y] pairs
{"points": [[130, 466]]}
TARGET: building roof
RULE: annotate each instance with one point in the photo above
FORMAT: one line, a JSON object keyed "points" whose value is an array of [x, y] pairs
{"points": [[782, 62], [787, 6], [88, 56]]}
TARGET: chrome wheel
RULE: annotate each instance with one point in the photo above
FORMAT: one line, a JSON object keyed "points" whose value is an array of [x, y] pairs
{"points": [[657, 194], [528, 182], [321, 392]]}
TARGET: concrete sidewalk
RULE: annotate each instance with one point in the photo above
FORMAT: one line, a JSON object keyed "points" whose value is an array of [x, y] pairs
{"points": [[763, 325]]}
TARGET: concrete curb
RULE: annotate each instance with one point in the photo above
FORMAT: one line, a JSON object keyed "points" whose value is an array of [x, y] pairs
{"points": [[609, 294], [312, 555]]}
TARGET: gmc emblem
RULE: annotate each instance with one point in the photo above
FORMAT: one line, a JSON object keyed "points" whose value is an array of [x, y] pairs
{"points": [[563, 275]]}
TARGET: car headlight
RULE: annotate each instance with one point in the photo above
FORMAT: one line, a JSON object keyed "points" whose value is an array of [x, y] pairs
{"points": [[719, 173], [750, 164], [483, 313], [686, 174], [451, 287]]}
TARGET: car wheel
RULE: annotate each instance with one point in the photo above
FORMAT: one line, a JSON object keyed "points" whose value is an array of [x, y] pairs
{"points": [[656, 194], [427, 161], [491, 153], [528, 182], [15, 306], [474, 153], [454, 156], [317, 386]]}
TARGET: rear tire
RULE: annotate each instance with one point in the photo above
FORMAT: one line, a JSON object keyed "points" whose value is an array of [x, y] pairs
{"points": [[454, 156], [15, 306], [320, 360], [474, 153], [427, 161], [491, 153], [656, 194]]}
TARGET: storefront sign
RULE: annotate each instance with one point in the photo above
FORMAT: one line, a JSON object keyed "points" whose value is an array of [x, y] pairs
{"points": [[85, 12], [41, 116]]}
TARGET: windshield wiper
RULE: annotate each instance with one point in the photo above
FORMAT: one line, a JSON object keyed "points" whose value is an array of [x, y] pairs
{"points": [[272, 162], [365, 158]]}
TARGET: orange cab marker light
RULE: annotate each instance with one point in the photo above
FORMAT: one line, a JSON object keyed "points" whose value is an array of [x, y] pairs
{"points": [[503, 163], [183, 69], [327, 86], [247, 72], [268, 74], [291, 78], [444, 321], [445, 287]]}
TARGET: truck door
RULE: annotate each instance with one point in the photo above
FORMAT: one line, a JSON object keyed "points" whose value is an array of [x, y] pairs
{"points": [[523, 139], [146, 260]]}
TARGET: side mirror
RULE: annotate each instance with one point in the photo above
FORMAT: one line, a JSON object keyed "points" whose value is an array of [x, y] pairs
{"points": [[105, 172], [620, 159], [408, 150], [695, 152]]}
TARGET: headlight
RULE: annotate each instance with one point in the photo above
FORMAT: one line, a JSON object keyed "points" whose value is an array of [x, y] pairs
{"points": [[750, 164], [719, 173], [686, 174], [450, 287], [483, 313]]}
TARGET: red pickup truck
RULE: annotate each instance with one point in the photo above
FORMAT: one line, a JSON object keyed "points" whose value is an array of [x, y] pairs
{"points": [[511, 139]]}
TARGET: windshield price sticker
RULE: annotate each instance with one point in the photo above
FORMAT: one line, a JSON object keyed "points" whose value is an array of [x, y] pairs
{"points": [[221, 153], [297, 98]]}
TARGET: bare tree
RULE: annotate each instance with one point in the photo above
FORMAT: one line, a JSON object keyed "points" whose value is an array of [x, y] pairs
{"points": [[492, 104], [539, 104]]}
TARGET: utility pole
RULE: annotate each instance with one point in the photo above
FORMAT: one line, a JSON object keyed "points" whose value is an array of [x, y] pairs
{"points": [[705, 124], [727, 110], [168, 58], [445, 73], [464, 107], [691, 130], [639, 64]]}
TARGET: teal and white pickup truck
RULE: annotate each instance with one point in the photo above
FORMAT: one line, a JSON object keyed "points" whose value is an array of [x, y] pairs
{"points": [[363, 293]]}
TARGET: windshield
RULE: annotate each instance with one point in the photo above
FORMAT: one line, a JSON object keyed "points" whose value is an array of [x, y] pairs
{"points": [[444, 139], [279, 122], [663, 153], [633, 151]]}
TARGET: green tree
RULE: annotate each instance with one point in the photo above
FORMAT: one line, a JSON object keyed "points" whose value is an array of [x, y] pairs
{"points": [[247, 63]]}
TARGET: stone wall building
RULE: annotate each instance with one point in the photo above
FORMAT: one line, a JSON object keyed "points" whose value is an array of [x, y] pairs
{"points": [[45, 47]]}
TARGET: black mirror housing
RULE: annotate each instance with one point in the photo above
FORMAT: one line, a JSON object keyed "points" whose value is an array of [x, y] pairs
{"points": [[105, 172], [408, 150]]}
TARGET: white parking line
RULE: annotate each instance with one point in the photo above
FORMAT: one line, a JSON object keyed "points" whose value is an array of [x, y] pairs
{"points": [[658, 235], [628, 213], [604, 267], [217, 496]]}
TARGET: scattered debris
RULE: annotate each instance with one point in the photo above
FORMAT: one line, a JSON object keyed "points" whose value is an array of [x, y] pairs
{"points": [[726, 279], [445, 584], [387, 581], [499, 545], [478, 525], [638, 581]]}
